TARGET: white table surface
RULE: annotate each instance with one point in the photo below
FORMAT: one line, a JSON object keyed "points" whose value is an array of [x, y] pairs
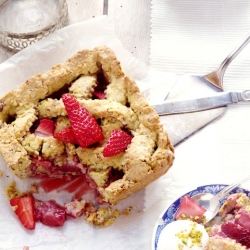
{"points": [[219, 153]]}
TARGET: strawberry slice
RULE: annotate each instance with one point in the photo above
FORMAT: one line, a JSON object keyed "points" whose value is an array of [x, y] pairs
{"points": [[85, 127], [66, 135], [74, 184], [24, 209], [117, 143], [189, 208], [50, 213], [48, 184], [236, 232], [45, 128]]}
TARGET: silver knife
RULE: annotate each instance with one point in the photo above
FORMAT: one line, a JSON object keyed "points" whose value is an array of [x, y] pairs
{"points": [[216, 100]]}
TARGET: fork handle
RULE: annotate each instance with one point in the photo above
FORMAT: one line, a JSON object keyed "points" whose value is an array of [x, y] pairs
{"points": [[222, 68], [229, 188], [217, 75]]}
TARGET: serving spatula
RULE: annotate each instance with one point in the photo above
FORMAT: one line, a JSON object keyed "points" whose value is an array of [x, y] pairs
{"points": [[181, 126]]}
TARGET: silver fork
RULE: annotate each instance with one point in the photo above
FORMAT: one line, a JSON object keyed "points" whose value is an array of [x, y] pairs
{"points": [[215, 78], [212, 202]]}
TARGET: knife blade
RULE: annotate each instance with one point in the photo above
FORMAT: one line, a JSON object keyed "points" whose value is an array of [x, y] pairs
{"points": [[216, 100]]}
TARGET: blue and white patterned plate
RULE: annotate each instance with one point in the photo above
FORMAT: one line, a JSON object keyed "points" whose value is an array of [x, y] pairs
{"points": [[168, 215]]}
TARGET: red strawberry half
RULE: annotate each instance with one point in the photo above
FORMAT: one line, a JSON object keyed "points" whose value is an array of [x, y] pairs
{"points": [[189, 208], [236, 232], [45, 128], [66, 135], [117, 143], [24, 209], [85, 127]]}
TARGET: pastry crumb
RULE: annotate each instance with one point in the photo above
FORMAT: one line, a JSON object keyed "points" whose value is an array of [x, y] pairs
{"points": [[12, 191], [103, 217], [34, 188], [127, 211]]}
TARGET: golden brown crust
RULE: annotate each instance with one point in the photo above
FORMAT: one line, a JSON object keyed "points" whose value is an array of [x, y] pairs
{"points": [[150, 154]]}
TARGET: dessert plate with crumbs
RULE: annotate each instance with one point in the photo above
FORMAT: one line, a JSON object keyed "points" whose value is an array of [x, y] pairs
{"points": [[173, 233]]}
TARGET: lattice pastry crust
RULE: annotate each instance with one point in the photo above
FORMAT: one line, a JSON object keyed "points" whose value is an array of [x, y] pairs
{"points": [[148, 157]]}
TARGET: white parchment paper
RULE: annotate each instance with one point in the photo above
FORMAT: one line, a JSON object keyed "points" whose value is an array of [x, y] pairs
{"points": [[128, 232]]}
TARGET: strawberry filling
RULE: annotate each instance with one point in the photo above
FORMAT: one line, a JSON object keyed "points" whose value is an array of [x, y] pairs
{"points": [[41, 168], [66, 135], [102, 83], [78, 186], [114, 175], [99, 95], [65, 172], [30, 210], [48, 186], [49, 213]]}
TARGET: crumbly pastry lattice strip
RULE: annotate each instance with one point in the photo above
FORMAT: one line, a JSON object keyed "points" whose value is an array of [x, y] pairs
{"points": [[150, 154]]}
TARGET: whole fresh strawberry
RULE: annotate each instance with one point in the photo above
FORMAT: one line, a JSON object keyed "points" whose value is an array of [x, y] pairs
{"points": [[24, 209], [85, 127], [117, 143]]}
